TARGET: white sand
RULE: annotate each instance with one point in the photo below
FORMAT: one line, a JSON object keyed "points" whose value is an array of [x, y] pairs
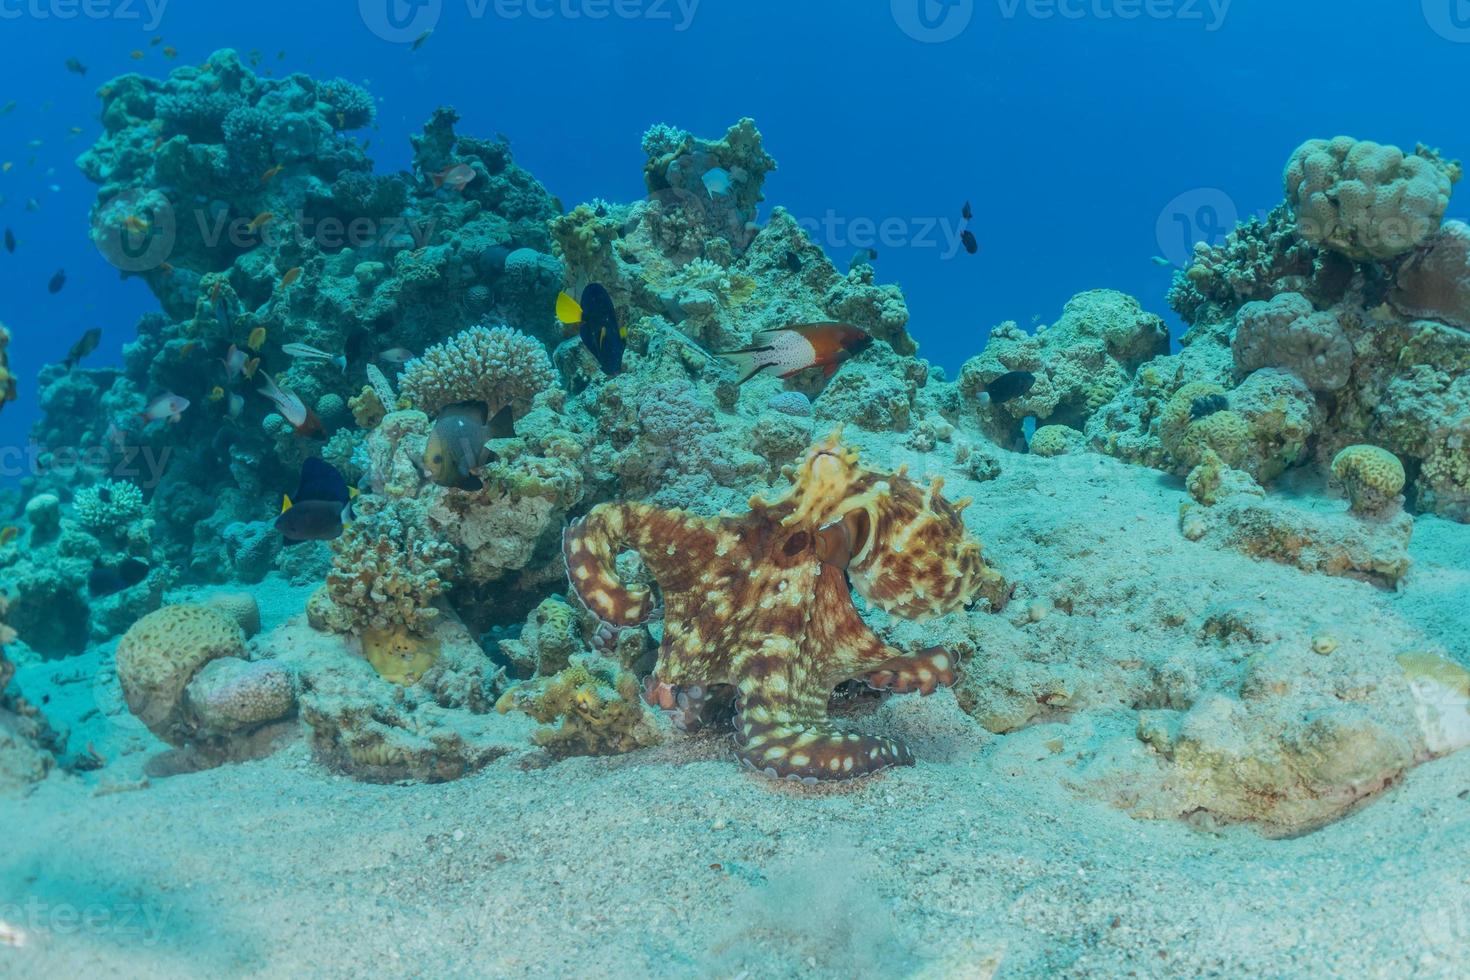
{"points": [[675, 862]]}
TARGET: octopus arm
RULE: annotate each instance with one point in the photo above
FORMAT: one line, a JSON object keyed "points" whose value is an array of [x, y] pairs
{"points": [[666, 541]]}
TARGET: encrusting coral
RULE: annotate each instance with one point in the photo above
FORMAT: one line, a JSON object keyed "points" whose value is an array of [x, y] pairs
{"points": [[592, 706], [762, 602]]}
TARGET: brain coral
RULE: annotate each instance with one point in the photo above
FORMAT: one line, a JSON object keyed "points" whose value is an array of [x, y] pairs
{"points": [[1287, 332], [495, 365], [1365, 200], [1371, 476], [159, 656]]}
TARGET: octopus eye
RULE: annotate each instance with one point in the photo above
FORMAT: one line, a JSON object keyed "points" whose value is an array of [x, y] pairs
{"points": [[796, 544]]}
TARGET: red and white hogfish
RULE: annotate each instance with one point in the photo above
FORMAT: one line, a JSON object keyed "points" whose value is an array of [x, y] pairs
{"points": [[791, 349]]}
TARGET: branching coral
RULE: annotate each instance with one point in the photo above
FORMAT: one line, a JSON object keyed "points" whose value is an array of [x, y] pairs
{"points": [[108, 505], [594, 704], [389, 569], [495, 365], [1365, 200]]}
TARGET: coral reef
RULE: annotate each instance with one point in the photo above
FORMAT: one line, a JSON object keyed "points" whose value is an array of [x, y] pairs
{"points": [[762, 602], [497, 366], [591, 707], [388, 572]]}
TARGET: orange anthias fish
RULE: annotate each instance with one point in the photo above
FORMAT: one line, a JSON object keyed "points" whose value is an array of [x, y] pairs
{"points": [[8, 534], [292, 274], [260, 221], [792, 349], [135, 224], [455, 178], [270, 174], [256, 340]]}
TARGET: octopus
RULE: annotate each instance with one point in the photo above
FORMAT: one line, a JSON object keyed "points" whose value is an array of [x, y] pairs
{"points": [[762, 603]]}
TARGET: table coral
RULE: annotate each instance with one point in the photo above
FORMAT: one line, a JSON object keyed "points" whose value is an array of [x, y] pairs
{"points": [[1365, 200], [594, 704], [762, 602]]}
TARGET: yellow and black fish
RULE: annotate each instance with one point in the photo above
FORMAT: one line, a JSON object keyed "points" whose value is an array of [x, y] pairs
{"points": [[322, 506], [596, 319]]}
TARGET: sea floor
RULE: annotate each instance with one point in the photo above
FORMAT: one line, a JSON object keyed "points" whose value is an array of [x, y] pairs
{"points": [[981, 860]]}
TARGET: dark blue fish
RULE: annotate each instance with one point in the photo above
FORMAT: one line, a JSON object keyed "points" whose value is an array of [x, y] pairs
{"points": [[106, 580], [1012, 384], [57, 281], [9, 241], [967, 239], [596, 319], [320, 508], [793, 261]]}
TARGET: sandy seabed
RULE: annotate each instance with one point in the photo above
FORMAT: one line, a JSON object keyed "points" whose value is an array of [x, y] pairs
{"points": [[982, 860]]}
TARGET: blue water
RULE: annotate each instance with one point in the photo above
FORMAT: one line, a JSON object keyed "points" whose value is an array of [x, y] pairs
{"points": [[1079, 134]]}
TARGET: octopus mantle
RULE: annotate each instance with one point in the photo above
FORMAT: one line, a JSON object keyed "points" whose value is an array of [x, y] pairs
{"points": [[762, 602]]}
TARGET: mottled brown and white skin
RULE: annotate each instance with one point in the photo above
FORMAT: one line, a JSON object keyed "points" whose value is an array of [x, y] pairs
{"points": [[762, 602]]}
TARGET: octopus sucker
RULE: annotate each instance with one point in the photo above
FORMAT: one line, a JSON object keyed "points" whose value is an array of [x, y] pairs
{"points": [[785, 632]]}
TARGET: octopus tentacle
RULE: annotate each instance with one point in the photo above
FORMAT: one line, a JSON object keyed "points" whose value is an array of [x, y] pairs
{"points": [[591, 547], [810, 750], [690, 707], [925, 673]]}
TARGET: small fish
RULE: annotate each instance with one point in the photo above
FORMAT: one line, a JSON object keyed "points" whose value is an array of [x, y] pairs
{"points": [[1162, 262], [256, 340], [250, 368], [166, 406], [135, 224], [717, 181], [456, 445], [292, 274], [5, 167], [187, 349], [792, 349], [234, 406], [75, 131], [217, 394], [322, 505], [166, 268], [309, 353], [234, 362], [418, 42], [57, 281], [84, 346], [596, 320], [7, 108], [169, 51], [8, 534], [396, 355], [291, 407], [106, 580], [1012, 384], [456, 178], [75, 67], [967, 212], [793, 261], [1208, 405], [865, 256], [32, 204], [967, 238], [270, 174], [155, 41], [136, 55], [260, 221], [9, 241]]}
